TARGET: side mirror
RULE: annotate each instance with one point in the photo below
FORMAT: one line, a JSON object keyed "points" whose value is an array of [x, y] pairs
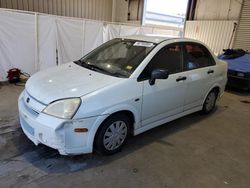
{"points": [[158, 74]]}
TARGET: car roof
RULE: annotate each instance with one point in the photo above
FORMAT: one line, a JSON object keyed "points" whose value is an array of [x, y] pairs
{"points": [[159, 38], [148, 38]]}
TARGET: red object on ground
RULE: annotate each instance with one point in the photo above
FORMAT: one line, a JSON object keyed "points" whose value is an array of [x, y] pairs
{"points": [[14, 75]]}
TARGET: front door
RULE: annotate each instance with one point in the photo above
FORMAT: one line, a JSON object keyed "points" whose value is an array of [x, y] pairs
{"points": [[166, 97]]}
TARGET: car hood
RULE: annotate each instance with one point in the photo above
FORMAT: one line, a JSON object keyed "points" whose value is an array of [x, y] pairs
{"points": [[65, 81]]}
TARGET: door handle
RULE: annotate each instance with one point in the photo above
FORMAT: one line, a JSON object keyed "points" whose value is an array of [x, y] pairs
{"points": [[210, 71], [181, 78]]}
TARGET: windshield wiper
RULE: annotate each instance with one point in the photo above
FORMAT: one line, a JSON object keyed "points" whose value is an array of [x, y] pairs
{"points": [[98, 69], [78, 62], [92, 67], [117, 74]]}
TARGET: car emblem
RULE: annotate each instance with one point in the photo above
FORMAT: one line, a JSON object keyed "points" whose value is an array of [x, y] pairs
{"points": [[28, 100]]}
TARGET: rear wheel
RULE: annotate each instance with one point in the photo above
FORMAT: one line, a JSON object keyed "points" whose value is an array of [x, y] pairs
{"points": [[112, 134], [210, 102]]}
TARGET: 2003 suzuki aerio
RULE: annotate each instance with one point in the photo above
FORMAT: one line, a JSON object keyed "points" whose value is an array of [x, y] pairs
{"points": [[126, 86]]}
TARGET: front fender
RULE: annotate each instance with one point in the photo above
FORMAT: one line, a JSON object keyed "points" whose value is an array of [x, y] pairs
{"points": [[101, 118], [125, 107]]}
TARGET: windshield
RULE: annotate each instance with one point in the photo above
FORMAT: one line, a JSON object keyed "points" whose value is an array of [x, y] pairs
{"points": [[117, 57]]}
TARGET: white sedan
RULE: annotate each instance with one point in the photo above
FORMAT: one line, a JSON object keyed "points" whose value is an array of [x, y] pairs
{"points": [[126, 86]]}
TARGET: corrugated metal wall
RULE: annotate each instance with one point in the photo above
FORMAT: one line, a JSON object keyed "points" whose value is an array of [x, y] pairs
{"points": [[242, 38], [216, 34], [90, 9], [218, 9]]}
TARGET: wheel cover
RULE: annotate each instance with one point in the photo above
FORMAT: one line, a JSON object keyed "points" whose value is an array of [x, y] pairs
{"points": [[115, 135], [210, 101]]}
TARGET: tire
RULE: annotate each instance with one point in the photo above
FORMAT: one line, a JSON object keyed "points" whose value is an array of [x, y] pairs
{"points": [[210, 101], [112, 134]]}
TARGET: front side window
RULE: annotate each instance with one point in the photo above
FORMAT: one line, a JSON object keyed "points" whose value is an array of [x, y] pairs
{"points": [[196, 56], [168, 58], [118, 57]]}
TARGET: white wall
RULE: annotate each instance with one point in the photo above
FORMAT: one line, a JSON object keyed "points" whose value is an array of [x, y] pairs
{"points": [[214, 23], [216, 34], [218, 9], [29, 41]]}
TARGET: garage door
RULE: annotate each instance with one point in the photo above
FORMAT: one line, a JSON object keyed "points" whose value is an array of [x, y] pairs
{"points": [[242, 39]]}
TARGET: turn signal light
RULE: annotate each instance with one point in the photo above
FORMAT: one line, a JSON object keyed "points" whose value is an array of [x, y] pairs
{"points": [[81, 130]]}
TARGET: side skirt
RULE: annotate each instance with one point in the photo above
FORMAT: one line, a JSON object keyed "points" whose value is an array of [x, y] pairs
{"points": [[166, 120]]}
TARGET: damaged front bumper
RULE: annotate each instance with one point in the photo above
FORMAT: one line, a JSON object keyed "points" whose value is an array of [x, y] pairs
{"points": [[54, 132]]}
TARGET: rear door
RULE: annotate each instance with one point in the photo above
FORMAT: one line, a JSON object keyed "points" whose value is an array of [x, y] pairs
{"points": [[199, 67]]}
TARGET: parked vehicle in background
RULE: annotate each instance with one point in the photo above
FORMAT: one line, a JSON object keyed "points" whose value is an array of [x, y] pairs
{"points": [[238, 72], [126, 86]]}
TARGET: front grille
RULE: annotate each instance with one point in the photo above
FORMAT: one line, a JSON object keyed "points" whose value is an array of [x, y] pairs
{"points": [[236, 73], [237, 82], [30, 110]]}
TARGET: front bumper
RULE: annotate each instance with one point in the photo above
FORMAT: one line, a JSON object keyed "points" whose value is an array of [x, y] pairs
{"points": [[55, 132]]}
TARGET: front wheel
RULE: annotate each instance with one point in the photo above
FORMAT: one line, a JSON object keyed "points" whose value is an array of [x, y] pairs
{"points": [[210, 102], [112, 134]]}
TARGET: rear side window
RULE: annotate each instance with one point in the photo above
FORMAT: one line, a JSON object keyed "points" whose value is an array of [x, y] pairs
{"points": [[196, 56], [168, 57]]}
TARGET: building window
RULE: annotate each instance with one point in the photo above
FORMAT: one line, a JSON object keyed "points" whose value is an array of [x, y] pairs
{"points": [[169, 13]]}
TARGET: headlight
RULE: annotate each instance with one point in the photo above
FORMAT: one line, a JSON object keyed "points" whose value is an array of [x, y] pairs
{"points": [[64, 108]]}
